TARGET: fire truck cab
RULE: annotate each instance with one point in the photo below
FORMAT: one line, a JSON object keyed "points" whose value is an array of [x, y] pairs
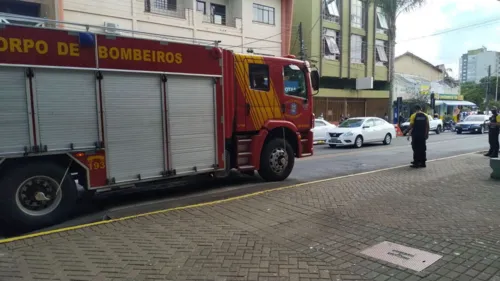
{"points": [[79, 107]]}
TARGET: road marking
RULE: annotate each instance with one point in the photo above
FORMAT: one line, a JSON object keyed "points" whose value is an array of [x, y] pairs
{"points": [[66, 229], [375, 149]]}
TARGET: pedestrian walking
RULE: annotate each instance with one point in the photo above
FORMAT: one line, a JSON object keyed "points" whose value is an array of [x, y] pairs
{"points": [[493, 134], [419, 130]]}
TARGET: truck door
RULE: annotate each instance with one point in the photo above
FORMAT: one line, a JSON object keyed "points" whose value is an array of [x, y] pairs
{"points": [[256, 94], [293, 92]]}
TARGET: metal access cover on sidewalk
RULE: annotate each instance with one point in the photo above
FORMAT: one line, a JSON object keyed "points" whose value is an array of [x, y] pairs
{"points": [[407, 257]]}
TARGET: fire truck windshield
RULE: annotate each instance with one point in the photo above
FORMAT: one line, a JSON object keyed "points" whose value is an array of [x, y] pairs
{"points": [[295, 82]]}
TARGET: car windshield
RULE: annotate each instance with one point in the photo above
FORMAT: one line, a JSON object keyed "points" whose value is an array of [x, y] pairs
{"points": [[474, 119], [351, 123]]}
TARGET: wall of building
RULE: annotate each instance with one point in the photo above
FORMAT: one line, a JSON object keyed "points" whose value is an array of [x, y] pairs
{"points": [[332, 108], [473, 66], [312, 15], [410, 65], [239, 33]]}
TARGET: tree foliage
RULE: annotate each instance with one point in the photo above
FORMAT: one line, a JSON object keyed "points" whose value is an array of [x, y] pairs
{"points": [[392, 9], [476, 92]]}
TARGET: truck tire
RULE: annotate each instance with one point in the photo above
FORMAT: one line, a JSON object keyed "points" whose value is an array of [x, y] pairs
{"points": [[29, 199], [277, 160]]}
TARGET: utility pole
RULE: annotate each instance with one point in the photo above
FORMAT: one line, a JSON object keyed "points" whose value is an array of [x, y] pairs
{"points": [[487, 99], [496, 87], [301, 39]]}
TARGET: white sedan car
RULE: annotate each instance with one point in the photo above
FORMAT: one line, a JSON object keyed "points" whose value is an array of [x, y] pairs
{"points": [[359, 130], [320, 130]]}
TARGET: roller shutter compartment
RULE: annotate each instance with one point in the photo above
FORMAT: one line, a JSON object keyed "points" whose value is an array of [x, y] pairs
{"points": [[191, 117], [134, 126], [14, 120], [67, 108]]}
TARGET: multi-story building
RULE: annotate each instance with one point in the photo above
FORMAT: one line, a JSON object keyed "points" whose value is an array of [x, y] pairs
{"points": [[346, 40], [258, 26], [473, 66]]}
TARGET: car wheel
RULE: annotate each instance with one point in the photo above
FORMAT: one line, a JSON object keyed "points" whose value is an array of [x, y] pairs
{"points": [[481, 130], [332, 145], [387, 139], [358, 142], [438, 130], [459, 132]]}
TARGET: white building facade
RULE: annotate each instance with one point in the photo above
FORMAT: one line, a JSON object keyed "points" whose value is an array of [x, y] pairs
{"points": [[410, 86], [473, 66], [258, 26]]}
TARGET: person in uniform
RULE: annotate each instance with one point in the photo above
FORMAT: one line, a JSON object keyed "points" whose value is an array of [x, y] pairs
{"points": [[419, 130], [493, 134]]}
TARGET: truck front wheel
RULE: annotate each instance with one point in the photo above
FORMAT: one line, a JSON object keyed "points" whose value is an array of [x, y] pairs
{"points": [[277, 160], [35, 195]]}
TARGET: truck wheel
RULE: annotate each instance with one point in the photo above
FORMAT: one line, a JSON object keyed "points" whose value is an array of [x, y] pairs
{"points": [[277, 160], [30, 196]]}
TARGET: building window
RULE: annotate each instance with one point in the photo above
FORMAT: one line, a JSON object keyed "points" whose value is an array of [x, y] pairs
{"points": [[165, 5], [382, 25], [358, 50], [331, 11], [201, 6], [259, 77], [381, 50], [263, 14], [331, 44], [218, 14], [358, 12], [294, 81]]}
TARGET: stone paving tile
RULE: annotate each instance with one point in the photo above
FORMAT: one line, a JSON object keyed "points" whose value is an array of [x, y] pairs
{"points": [[313, 232]]}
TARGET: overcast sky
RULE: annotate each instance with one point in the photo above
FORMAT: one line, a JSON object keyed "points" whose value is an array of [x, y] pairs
{"points": [[442, 15]]}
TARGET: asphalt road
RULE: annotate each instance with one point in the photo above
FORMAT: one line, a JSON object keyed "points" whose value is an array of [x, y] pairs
{"points": [[326, 163]]}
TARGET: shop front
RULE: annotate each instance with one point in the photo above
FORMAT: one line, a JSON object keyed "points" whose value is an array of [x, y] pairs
{"points": [[453, 107]]}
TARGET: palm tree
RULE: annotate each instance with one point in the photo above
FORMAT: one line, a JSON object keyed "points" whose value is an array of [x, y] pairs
{"points": [[392, 9]]}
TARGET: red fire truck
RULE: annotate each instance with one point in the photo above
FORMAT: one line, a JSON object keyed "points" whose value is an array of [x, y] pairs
{"points": [[108, 112]]}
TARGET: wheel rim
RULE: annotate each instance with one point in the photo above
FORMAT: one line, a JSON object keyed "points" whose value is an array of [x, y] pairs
{"points": [[278, 160], [359, 142], [38, 196], [388, 139]]}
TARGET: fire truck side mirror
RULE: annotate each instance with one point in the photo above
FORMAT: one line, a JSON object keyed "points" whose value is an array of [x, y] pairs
{"points": [[315, 79]]}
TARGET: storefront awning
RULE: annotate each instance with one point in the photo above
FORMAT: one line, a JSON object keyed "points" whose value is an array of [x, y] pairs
{"points": [[455, 103]]}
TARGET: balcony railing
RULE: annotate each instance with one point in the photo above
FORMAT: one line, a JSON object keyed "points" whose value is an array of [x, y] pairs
{"points": [[219, 20], [330, 18], [164, 8]]}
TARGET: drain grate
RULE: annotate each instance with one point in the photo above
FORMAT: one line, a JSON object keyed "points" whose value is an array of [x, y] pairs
{"points": [[407, 257]]}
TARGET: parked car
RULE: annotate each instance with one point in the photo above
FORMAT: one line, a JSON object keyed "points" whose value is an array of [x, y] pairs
{"points": [[320, 130], [473, 124], [360, 130], [435, 125]]}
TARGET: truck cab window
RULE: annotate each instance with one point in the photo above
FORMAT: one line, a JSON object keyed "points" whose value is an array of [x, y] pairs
{"points": [[294, 81], [259, 77]]}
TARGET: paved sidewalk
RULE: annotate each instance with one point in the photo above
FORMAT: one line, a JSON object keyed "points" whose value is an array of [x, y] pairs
{"points": [[311, 232]]}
